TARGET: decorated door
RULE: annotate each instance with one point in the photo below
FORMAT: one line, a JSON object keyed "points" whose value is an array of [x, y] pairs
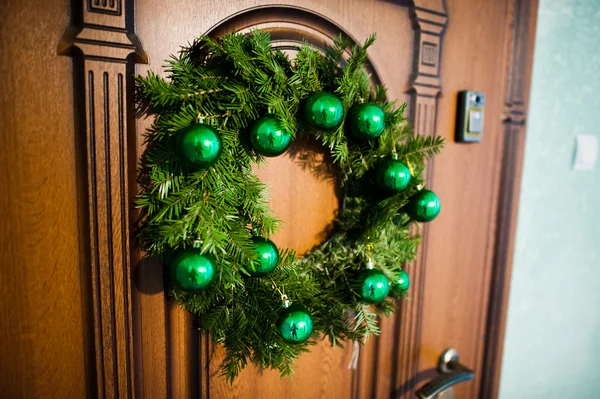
{"points": [[307, 202], [139, 343]]}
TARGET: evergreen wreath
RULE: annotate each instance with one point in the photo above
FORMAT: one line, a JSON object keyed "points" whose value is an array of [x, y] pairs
{"points": [[229, 102]]}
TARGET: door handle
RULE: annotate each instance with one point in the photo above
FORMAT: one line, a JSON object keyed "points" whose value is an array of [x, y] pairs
{"points": [[451, 373]]}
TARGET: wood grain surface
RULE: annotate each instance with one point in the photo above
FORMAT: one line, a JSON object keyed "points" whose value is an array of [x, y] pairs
{"points": [[302, 185], [45, 347], [523, 14], [102, 43], [460, 243], [83, 318], [452, 297], [430, 19]]}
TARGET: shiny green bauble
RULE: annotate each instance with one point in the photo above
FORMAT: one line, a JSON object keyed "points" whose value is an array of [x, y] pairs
{"points": [[366, 121], [374, 286], [392, 175], [199, 145], [268, 255], [324, 111], [423, 206], [401, 283], [268, 137], [193, 271], [295, 324]]}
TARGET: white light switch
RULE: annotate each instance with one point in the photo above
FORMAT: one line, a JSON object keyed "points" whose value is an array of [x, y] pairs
{"points": [[475, 121], [586, 153]]}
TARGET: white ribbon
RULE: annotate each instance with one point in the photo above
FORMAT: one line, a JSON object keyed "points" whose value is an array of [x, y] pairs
{"points": [[355, 352]]}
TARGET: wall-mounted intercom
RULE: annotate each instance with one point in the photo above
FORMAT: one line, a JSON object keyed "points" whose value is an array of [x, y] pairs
{"points": [[469, 116]]}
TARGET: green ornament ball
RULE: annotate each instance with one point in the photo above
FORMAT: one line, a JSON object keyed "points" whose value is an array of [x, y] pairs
{"points": [[423, 206], [268, 255], [366, 121], [268, 137], [295, 324], [393, 175], [324, 111], [374, 286], [401, 283], [192, 271], [199, 145]]}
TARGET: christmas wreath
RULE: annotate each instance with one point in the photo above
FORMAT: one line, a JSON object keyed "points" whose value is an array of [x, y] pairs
{"points": [[227, 104]]}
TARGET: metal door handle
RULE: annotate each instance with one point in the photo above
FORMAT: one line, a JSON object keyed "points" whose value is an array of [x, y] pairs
{"points": [[451, 373]]}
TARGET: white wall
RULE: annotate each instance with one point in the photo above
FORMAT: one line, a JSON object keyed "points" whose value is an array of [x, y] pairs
{"points": [[552, 345]]}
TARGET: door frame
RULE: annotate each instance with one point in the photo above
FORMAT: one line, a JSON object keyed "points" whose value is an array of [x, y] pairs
{"points": [[524, 18], [102, 41]]}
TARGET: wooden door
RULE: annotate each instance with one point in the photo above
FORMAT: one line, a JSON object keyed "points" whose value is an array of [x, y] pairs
{"points": [[304, 201], [133, 340], [451, 279]]}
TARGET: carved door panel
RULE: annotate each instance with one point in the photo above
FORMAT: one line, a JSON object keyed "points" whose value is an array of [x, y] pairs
{"points": [[146, 346], [305, 202]]}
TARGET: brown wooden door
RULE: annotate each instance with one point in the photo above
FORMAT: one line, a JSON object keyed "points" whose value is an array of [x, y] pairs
{"points": [[102, 324], [304, 201], [425, 53]]}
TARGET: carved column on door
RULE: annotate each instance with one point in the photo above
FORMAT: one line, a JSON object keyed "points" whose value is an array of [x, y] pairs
{"points": [[101, 40], [429, 19], [429, 22]]}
